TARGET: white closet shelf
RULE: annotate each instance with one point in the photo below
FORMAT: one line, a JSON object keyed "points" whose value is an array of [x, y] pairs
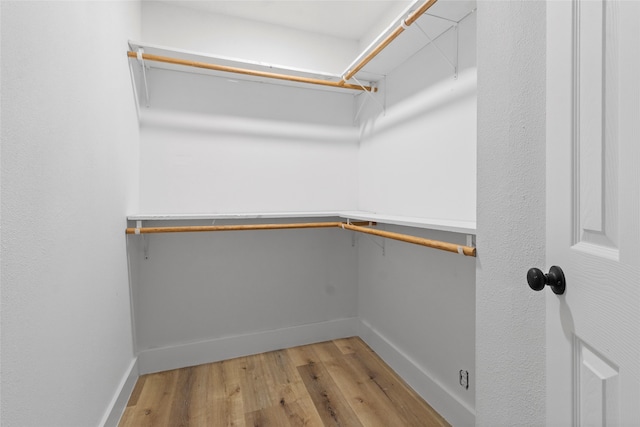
{"points": [[371, 65], [463, 227], [174, 59], [240, 216]]}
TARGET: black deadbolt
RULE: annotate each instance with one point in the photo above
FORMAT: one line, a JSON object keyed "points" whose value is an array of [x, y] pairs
{"points": [[555, 279]]}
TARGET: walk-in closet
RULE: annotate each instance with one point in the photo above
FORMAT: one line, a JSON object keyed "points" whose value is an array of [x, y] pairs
{"points": [[267, 196], [327, 187]]}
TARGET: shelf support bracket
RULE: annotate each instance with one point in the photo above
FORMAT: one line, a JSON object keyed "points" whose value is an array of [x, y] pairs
{"points": [[373, 240], [380, 245], [371, 96], [454, 63], [353, 237], [382, 107], [441, 17], [144, 74]]}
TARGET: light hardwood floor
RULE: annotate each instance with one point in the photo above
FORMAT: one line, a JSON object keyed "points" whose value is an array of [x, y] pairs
{"points": [[335, 383]]}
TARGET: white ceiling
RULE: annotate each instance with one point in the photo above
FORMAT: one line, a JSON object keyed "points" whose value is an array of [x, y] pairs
{"points": [[350, 19]]}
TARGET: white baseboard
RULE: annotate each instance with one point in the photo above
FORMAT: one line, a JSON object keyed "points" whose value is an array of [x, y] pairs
{"points": [[445, 403], [121, 398], [192, 354]]}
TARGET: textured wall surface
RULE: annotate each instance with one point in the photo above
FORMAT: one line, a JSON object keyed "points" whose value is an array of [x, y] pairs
{"points": [[510, 340], [69, 177]]}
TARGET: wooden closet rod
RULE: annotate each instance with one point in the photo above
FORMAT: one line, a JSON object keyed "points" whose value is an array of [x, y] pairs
{"points": [[391, 37], [354, 226], [436, 244], [255, 73], [195, 228]]}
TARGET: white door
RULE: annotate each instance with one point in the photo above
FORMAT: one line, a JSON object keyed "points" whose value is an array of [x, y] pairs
{"points": [[593, 214]]}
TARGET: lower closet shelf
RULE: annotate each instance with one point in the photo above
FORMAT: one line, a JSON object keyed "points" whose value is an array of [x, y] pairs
{"points": [[358, 226]]}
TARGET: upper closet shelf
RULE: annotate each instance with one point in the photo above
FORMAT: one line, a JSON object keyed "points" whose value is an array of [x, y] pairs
{"points": [[419, 25], [168, 58], [463, 227]]}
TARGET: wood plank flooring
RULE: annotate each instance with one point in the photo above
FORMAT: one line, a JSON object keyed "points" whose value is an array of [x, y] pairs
{"points": [[340, 383]]}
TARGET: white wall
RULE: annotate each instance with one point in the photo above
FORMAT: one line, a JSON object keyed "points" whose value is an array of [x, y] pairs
{"points": [[220, 35], [421, 302], [510, 337], [209, 144], [203, 165], [272, 148], [418, 157], [287, 106], [420, 160], [69, 177], [194, 289]]}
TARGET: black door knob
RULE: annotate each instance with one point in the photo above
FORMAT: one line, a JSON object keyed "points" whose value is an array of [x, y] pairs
{"points": [[555, 279]]}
